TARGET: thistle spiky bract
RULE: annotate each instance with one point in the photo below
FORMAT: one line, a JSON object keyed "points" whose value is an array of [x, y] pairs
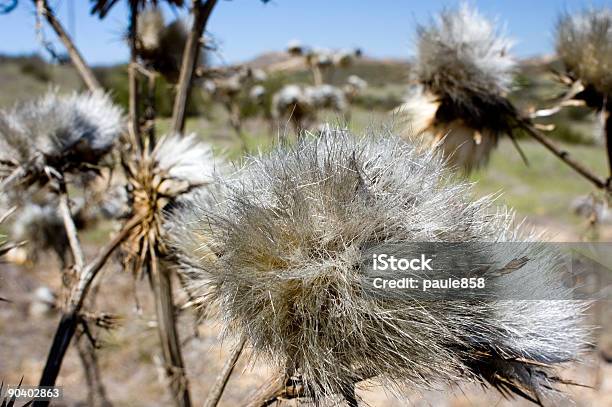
{"points": [[463, 66], [176, 167], [282, 249]]}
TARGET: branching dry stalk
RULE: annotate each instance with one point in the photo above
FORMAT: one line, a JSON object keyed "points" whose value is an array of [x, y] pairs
{"points": [[201, 12], [70, 227], [533, 132], [87, 347], [608, 130], [70, 317], [79, 63], [174, 366], [217, 391], [96, 393]]}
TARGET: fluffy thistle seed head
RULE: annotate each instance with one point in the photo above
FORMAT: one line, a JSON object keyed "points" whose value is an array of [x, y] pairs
{"points": [[41, 226], [462, 57], [66, 133], [295, 48], [326, 97], [291, 103], [465, 68], [584, 45], [5, 247], [283, 253]]}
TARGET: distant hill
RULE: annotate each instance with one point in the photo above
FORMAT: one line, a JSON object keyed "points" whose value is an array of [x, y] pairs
{"points": [[25, 77]]}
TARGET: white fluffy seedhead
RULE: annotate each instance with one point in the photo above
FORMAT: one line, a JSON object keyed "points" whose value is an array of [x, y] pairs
{"points": [[283, 251], [464, 61], [62, 132], [291, 103], [257, 94], [326, 97], [295, 47], [42, 228], [584, 44], [186, 160]]}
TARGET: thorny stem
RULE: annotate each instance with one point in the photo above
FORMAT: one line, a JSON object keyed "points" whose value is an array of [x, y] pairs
{"points": [[75, 56], [217, 391], [150, 111], [532, 131], [168, 334], [86, 347], [201, 13], [70, 318]]}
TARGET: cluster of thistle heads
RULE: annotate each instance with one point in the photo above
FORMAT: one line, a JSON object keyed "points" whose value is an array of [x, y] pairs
{"points": [[322, 57], [298, 104], [245, 82], [280, 249]]}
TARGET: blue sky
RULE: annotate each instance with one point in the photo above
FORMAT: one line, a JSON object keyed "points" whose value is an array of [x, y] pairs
{"points": [[246, 28]]}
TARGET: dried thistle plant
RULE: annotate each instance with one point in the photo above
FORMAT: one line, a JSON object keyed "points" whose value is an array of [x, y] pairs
{"points": [[176, 166], [291, 104], [159, 45], [283, 251], [57, 133], [299, 105], [584, 45], [327, 97], [464, 68]]}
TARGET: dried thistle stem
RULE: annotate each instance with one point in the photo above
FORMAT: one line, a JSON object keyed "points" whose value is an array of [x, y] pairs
{"points": [[70, 318], [608, 129], [86, 347], [133, 119], [532, 131], [168, 334], [71, 230], [201, 13], [75, 56], [96, 393], [217, 391]]}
